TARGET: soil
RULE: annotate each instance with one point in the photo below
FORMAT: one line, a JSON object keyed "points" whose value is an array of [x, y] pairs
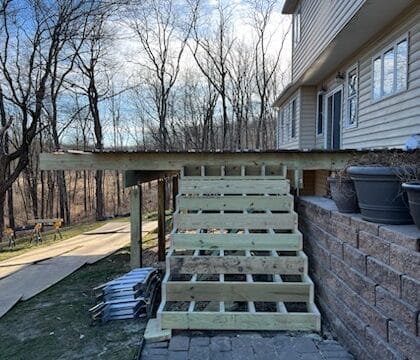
{"points": [[56, 325]]}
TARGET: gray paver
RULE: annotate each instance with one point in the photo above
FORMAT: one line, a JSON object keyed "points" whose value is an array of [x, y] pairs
{"points": [[221, 355], [199, 341], [178, 355], [155, 351], [179, 343], [220, 344], [311, 356], [190, 346], [264, 348], [161, 344], [242, 353], [154, 357], [199, 352], [343, 354], [304, 345]]}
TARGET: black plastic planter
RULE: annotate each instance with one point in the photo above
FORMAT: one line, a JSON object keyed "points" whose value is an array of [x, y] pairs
{"points": [[381, 199], [413, 192], [344, 195]]}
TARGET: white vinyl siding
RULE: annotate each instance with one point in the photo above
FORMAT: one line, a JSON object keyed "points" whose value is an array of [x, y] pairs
{"points": [[288, 124], [320, 22], [308, 117]]}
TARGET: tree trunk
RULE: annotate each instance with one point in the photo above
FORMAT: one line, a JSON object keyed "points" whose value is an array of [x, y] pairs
{"points": [[11, 213], [100, 209], [2, 200]]}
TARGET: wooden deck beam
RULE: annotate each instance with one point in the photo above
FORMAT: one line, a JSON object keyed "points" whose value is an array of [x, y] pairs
{"points": [[174, 161]]}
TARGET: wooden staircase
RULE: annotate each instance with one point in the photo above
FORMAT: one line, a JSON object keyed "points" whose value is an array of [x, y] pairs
{"points": [[236, 259]]}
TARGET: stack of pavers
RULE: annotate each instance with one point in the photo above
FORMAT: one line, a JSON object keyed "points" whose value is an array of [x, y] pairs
{"points": [[129, 296]]}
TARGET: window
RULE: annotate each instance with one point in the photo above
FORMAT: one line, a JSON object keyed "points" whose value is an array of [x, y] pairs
{"points": [[288, 120], [351, 93], [390, 70], [320, 114], [296, 27], [293, 118]]}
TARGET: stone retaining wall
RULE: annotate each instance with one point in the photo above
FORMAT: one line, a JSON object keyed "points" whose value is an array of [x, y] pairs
{"points": [[367, 279]]}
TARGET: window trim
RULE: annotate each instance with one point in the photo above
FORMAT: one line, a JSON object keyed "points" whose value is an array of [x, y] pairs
{"points": [[322, 93], [346, 122], [297, 13], [293, 120], [286, 119], [329, 93], [281, 127], [380, 54]]}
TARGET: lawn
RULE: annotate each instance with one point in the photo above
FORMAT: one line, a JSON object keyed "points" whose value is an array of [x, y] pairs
{"points": [[55, 324]]}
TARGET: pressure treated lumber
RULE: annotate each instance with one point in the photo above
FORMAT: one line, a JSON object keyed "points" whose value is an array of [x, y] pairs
{"points": [[136, 258], [283, 221], [240, 321], [161, 220], [164, 161], [227, 203], [237, 291], [238, 264], [206, 241], [204, 186], [236, 259]]}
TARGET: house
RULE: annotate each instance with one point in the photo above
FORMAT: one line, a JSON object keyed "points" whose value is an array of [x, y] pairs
{"points": [[355, 75]]}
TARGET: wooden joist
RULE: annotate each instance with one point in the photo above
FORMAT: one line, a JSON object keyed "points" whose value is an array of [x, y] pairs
{"points": [[257, 221], [205, 241], [204, 186], [241, 320], [229, 203], [293, 265], [237, 291]]}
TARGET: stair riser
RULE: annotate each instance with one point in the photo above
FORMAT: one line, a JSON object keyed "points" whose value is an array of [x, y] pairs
{"points": [[287, 265], [238, 321], [285, 221], [255, 203], [205, 186], [228, 291], [285, 242]]}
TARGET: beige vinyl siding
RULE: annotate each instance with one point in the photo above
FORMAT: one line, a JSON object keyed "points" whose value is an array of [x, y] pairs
{"points": [[286, 142], [389, 121], [321, 21], [308, 117]]}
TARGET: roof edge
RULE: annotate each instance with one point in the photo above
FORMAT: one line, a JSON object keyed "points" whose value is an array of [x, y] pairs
{"points": [[285, 94], [289, 7]]}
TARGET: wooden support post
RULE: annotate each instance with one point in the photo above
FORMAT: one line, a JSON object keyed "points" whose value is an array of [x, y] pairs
{"points": [[174, 191], [161, 219], [135, 223]]}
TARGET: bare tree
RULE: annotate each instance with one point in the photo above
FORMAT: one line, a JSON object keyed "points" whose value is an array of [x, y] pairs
{"points": [[242, 75], [94, 84], [163, 29], [27, 55], [261, 12], [211, 49]]}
